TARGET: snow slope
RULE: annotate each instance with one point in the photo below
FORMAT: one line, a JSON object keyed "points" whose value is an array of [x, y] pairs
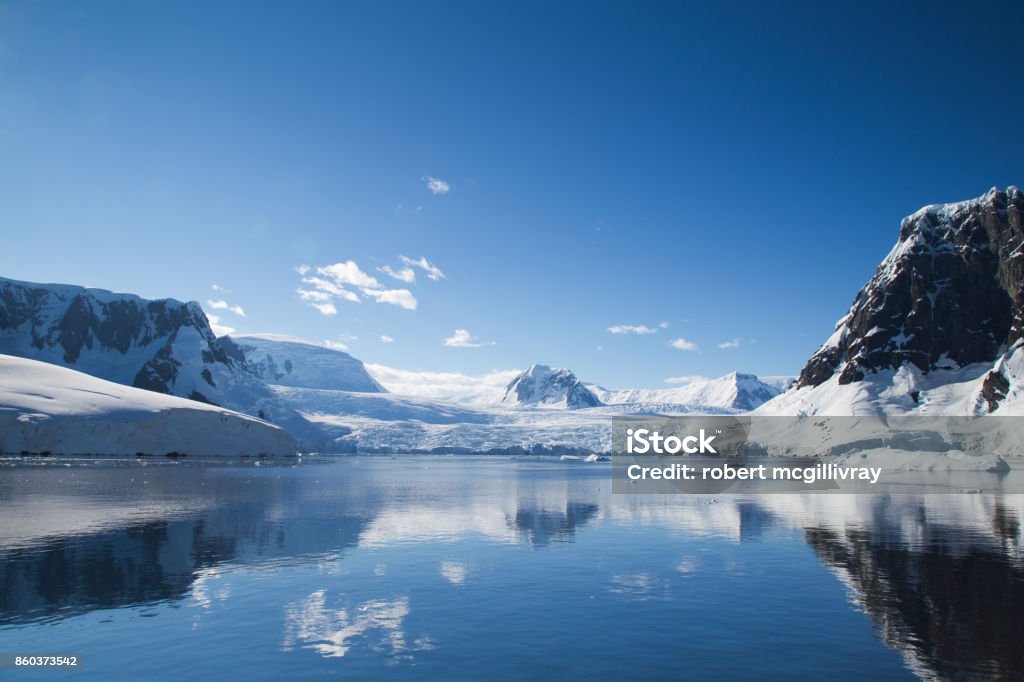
{"points": [[286, 361], [46, 408], [732, 392], [956, 391]]}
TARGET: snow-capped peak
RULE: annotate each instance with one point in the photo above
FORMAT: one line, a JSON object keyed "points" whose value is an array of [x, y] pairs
{"points": [[541, 385], [733, 392]]}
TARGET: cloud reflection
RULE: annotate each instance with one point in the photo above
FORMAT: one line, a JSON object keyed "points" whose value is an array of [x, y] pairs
{"points": [[377, 624], [455, 573]]}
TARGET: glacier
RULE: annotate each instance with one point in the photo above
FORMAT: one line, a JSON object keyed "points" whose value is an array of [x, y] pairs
{"points": [[543, 411], [288, 361]]}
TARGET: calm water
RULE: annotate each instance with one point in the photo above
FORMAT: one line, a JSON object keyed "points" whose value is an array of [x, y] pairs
{"points": [[466, 568]]}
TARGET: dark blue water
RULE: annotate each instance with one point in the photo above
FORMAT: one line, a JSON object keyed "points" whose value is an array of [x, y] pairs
{"points": [[470, 568]]}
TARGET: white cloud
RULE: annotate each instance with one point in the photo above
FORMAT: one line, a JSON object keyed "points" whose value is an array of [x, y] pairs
{"points": [[331, 282], [217, 327], [454, 386], [217, 287], [335, 345], [663, 325], [321, 300], [224, 305], [732, 343], [326, 308], [433, 272], [326, 288], [631, 329], [384, 338], [399, 297], [688, 379], [436, 185], [461, 338], [408, 275], [682, 344], [313, 296], [405, 274], [348, 273]]}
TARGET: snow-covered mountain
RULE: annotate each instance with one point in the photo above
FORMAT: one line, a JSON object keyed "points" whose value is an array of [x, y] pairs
{"points": [[732, 392], [160, 345], [286, 361], [939, 329], [542, 386], [46, 408]]}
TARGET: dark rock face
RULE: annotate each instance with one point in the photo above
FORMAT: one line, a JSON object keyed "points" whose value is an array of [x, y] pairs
{"points": [[232, 349], [994, 389], [950, 293], [579, 395], [64, 324]]}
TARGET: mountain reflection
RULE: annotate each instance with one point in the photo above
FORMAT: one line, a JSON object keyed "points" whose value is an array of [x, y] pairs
{"points": [[126, 535], [150, 562], [952, 611], [940, 577], [109, 558], [541, 526]]}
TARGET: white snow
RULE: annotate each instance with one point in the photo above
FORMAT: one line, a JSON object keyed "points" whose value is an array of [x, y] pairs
{"points": [[44, 407], [287, 361], [734, 392]]}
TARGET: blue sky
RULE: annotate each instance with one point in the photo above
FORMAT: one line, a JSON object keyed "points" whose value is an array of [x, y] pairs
{"points": [[734, 170]]}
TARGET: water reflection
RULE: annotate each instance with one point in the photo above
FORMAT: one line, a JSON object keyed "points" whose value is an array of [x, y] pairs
{"points": [[940, 577], [144, 563], [541, 526], [953, 612], [331, 631], [114, 560]]}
